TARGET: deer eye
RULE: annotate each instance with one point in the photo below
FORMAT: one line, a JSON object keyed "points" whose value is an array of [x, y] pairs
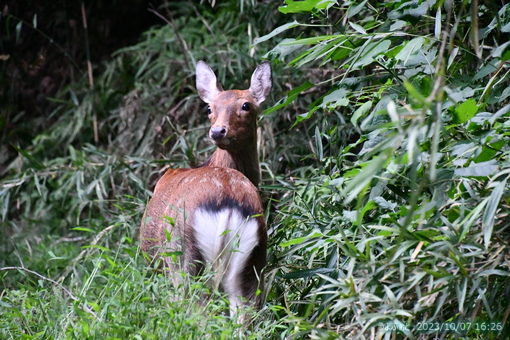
{"points": [[209, 110], [246, 107]]}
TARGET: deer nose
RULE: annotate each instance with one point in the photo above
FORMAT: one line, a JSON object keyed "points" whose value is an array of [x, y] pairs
{"points": [[218, 132]]}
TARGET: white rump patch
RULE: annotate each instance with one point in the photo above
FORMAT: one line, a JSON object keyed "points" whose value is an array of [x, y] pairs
{"points": [[226, 239]]}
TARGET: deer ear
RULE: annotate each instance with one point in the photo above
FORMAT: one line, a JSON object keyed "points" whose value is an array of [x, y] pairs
{"points": [[207, 84], [261, 82]]}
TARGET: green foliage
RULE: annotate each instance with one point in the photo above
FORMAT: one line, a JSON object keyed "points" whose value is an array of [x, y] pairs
{"points": [[118, 297], [387, 200], [411, 229], [72, 201]]}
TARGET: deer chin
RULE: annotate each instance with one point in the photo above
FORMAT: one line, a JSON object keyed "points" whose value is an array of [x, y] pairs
{"points": [[222, 143]]}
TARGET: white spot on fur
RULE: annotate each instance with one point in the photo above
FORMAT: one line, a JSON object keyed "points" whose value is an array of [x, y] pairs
{"points": [[216, 182], [226, 239]]}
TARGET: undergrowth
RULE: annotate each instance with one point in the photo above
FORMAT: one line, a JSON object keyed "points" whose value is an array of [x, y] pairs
{"points": [[384, 163]]}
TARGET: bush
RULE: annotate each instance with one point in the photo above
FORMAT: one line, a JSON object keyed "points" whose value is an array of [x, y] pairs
{"points": [[403, 230], [387, 200]]}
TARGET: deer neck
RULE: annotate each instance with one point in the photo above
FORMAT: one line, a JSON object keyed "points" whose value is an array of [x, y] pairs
{"points": [[245, 161]]}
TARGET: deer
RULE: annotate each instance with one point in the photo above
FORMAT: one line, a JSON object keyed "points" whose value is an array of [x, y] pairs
{"points": [[211, 216]]}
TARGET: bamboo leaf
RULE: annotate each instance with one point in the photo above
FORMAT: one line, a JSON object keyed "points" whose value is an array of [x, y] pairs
{"points": [[360, 111], [318, 144], [307, 273], [18, 31], [437, 26], [465, 111], [290, 97], [483, 169], [357, 28], [489, 215], [410, 50], [276, 31], [302, 6], [358, 183]]}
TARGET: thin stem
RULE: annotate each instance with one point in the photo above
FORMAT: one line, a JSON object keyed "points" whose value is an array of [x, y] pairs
{"points": [[89, 67]]}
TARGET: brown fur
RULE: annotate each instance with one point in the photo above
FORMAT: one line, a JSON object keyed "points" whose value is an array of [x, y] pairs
{"points": [[241, 152], [228, 179]]}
